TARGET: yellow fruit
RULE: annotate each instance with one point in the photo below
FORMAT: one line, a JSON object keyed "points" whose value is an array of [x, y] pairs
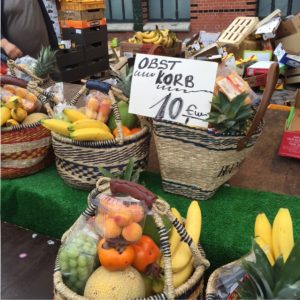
{"points": [[282, 235], [74, 114], [263, 229], [21, 92], [5, 114], [11, 122], [266, 248], [174, 236], [14, 102], [57, 126], [19, 114], [182, 276], [183, 254], [91, 134], [35, 117], [88, 123]]}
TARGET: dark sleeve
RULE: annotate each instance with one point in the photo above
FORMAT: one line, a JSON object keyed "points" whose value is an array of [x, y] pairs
{"points": [[3, 24], [51, 33]]}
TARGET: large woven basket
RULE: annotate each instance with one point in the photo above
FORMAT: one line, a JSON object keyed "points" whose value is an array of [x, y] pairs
{"points": [[196, 162], [78, 162], [191, 289], [25, 149]]}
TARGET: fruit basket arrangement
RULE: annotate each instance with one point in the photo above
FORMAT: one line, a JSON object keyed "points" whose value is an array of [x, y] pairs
{"points": [[107, 254], [196, 162], [100, 134], [270, 271], [159, 42]]}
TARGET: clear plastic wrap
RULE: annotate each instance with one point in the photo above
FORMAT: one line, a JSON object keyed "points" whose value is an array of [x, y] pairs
{"points": [[27, 62], [78, 256], [120, 218], [98, 106]]}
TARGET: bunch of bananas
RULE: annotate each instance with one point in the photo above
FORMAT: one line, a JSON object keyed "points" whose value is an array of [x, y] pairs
{"points": [[164, 37], [12, 112], [276, 240], [181, 254], [78, 127]]}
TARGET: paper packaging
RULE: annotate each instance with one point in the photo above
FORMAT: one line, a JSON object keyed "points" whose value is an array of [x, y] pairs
{"points": [[268, 30], [247, 44], [289, 26], [290, 142], [285, 58], [260, 55], [292, 76], [291, 43], [262, 67]]}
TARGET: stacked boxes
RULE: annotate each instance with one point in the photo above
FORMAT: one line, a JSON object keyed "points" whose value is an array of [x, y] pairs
{"points": [[83, 23]]}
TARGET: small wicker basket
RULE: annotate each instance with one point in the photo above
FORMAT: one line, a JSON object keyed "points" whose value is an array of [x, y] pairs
{"points": [[191, 289], [195, 162]]}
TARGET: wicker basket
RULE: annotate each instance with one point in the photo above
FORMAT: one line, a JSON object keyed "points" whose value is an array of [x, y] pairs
{"points": [[25, 149], [77, 162], [194, 162], [191, 289]]}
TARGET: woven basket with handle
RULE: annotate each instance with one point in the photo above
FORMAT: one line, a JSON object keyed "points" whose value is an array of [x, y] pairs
{"points": [[195, 162], [77, 162], [25, 149], [191, 289]]}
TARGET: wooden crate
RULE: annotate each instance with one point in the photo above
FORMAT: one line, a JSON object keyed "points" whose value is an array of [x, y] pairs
{"points": [[129, 50], [81, 24], [63, 6], [237, 31]]}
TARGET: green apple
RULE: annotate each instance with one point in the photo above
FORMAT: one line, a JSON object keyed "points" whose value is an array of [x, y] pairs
{"points": [[128, 120]]}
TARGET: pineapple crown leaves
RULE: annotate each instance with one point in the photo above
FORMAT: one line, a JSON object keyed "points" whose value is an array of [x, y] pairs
{"points": [[125, 82], [46, 62], [127, 174], [229, 115], [282, 281]]}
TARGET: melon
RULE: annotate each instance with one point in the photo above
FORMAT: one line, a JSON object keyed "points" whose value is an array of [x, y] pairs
{"points": [[35, 117], [117, 285]]}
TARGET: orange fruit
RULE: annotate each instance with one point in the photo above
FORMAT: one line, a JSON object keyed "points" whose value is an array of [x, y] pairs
{"points": [[135, 130], [126, 131]]}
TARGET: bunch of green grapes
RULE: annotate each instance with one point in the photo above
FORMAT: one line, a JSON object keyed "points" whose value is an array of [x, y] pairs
{"points": [[77, 261]]}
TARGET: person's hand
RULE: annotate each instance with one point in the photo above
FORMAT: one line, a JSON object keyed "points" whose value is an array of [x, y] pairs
{"points": [[11, 50]]}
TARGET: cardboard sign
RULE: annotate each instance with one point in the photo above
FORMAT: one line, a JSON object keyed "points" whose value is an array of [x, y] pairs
{"points": [[174, 89]]}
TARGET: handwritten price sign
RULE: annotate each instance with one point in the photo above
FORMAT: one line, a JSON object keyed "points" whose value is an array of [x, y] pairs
{"points": [[173, 89]]}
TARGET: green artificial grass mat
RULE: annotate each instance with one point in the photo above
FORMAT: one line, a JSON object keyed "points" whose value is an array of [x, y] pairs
{"points": [[44, 203]]}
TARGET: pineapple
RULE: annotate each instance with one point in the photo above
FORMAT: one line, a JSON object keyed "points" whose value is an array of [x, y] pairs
{"points": [[262, 281], [230, 116], [46, 63], [126, 174], [125, 82]]}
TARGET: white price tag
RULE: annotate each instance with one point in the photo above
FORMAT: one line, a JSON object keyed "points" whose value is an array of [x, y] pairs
{"points": [[174, 89]]}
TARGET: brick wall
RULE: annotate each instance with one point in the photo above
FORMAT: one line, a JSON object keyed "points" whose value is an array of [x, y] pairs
{"points": [[209, 15]]}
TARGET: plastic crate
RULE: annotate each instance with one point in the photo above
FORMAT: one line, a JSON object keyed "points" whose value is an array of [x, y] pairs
{"points": [[77, 15], [81, 24], [64, 6]]}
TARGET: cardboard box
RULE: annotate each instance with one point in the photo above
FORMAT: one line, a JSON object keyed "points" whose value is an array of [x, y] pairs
{"points": [[285, 58], [290, 142], [247, 44], [256, 81], [262, 67], [129, 50], [292, 76], [289, 27], [291, 43]]}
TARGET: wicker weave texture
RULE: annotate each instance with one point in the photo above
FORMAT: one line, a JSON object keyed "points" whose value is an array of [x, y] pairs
{"points": [[24, 150], [195, 163], [78, 165]]}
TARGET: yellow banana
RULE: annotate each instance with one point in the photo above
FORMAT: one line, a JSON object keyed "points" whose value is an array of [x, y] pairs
{"points": [[182, 276], [88, 123], [263, 229], [165, 32], [283, 233], [5, 114], [275, 242], [266, 248], [19, 114], [11, 122], [91, 134], [139, 35], [74, 114], [149, 34], [159, 41], [174, 236], [170, 42], [152, 40], [14, 102], [183, 254], [57, 126]]}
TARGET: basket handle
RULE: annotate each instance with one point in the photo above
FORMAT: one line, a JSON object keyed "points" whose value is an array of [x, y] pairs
{"points": [[132, 189], [272, 78]]}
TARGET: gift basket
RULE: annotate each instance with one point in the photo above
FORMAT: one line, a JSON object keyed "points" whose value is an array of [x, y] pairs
{"points": [[269, 271], [124, 263], [101, 134], [196, 162], [25, 143]]}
